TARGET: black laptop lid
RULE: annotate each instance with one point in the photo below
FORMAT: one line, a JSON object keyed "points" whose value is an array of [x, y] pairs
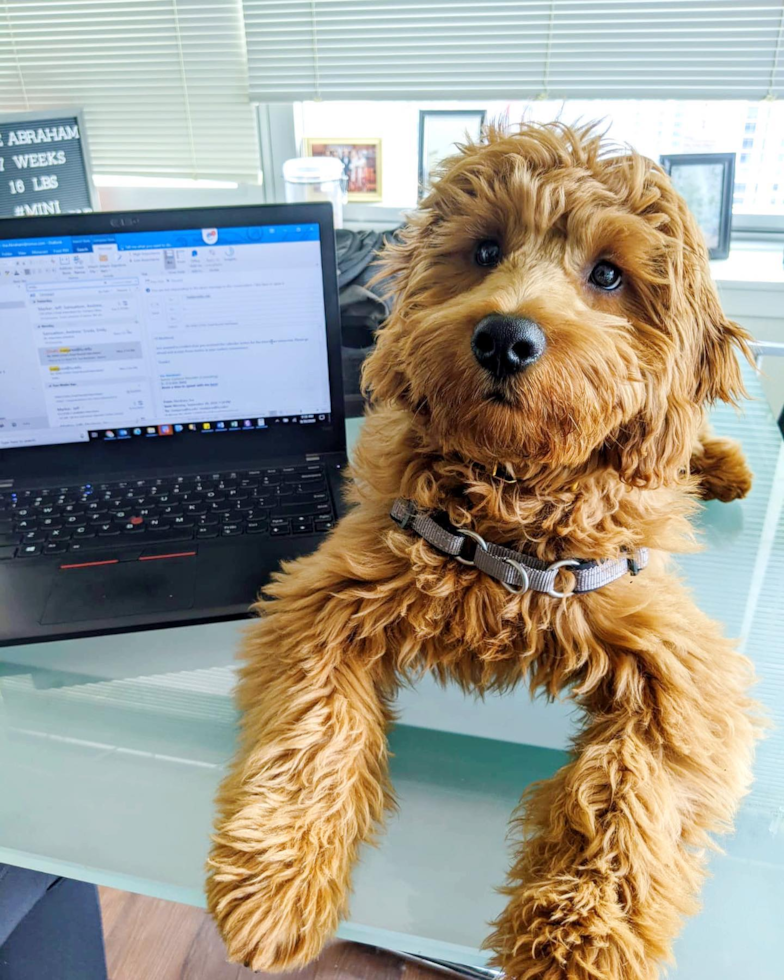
{"points": [[152, 340]]}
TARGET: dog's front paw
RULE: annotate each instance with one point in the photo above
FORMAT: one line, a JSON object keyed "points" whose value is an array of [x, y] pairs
{"points": [[275, 902], [567, 929], [722, 470]]}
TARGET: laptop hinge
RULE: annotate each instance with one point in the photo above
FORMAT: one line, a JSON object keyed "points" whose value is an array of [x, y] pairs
{"points": [[312, 457], [6, 484]]}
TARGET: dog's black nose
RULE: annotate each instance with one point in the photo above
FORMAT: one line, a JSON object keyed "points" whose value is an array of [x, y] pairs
{"points": [[504, 345]]}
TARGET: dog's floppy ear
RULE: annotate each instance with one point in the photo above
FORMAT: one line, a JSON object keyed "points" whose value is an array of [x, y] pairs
{"points": [[717, 340], [701, 365], [383, 373], [382, 377], [718, 369]]}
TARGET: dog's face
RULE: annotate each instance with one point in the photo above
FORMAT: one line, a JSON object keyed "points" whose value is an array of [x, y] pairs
{"points": [[554, 305]]}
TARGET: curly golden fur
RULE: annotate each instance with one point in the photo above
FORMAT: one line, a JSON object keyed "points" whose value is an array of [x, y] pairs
{"points": [[599, 435]]}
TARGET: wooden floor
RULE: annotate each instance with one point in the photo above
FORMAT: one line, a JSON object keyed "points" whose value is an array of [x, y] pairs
{"points": [[149, 939]]}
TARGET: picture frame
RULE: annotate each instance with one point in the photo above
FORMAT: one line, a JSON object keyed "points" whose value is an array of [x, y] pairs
{"points": [[706, 182], [439, 132], [361, 159]]}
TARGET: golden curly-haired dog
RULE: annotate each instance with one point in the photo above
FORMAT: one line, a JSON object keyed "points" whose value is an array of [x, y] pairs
{"points": [[541, 383]]}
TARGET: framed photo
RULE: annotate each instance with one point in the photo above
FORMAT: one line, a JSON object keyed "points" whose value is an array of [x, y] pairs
{"points": [[439, 132], [361, 159], [706, 181]]}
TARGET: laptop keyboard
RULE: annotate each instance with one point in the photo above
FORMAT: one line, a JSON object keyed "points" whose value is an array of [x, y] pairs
{"points": [[275, 502]]}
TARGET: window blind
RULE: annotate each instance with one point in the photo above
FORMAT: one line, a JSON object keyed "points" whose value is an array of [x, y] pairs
{"points": [[453, 49], [163, 83]]}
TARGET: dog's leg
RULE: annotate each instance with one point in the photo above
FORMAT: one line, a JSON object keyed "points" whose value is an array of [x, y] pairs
{"points": [[612, 856], [721, 467], [309, 784]]}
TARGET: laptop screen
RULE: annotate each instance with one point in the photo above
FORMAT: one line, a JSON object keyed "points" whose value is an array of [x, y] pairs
{"points": [[143, 335]]}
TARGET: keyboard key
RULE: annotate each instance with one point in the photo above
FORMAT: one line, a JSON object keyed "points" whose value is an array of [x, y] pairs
{"points": [[78, 533], [302, 477], [55, 547], [231, 530], [33, 537], [7, 539], [305, 495], [264, 499], [207, 532], [256, 527], [302, 528], [28, 551], [291, 510], [6, 552], [59, 534], [324, 525]]}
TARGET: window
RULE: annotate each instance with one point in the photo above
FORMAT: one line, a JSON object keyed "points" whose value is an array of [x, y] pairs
{"points": [[751, 127], [653, 127], [163, 83]]}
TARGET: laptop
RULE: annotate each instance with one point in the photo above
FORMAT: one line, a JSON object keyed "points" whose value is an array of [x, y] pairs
{"points": [[171, 413]]}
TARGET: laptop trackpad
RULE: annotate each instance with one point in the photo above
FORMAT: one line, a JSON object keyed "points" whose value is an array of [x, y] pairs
{"points": [[131, 588]]}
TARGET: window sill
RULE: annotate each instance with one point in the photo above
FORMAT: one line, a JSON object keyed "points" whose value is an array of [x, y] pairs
{"points": [[751, 264]]}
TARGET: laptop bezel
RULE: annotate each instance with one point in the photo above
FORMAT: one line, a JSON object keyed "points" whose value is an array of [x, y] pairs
{"points": [[185, 451]]}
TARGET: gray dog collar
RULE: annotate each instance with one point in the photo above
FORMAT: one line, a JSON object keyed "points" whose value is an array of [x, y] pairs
{"points": [[516, 571]]}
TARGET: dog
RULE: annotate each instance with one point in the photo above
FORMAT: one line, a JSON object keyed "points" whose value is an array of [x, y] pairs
{"points": [[537, 395]]}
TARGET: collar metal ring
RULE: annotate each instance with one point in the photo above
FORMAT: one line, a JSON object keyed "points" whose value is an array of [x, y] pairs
{"points": [[564, 563], [517, 590], [480, 541]]}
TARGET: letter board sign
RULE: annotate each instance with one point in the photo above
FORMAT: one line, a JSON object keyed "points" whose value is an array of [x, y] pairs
{"points": [[44, 165]]}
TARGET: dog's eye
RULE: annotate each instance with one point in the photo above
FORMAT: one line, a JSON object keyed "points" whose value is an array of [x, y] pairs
{"points": [[606, 276], [488, 253]]}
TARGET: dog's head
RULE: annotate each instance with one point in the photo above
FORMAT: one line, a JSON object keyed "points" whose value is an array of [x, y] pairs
{"points": [[553, 305]]}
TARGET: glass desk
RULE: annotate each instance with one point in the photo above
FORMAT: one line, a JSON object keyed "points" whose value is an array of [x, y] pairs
{"points": [[111, 750]]}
